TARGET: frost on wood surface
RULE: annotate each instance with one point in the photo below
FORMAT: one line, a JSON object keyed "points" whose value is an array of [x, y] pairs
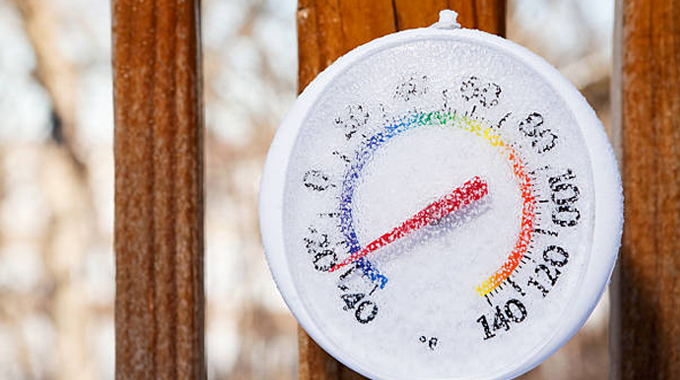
{"points": [[158, 228]]}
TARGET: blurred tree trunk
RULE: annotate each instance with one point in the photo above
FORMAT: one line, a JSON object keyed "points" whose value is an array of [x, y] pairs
{"points": [[327, 29], [645, 321], [72, 218], [158, 151], [54, 72]]}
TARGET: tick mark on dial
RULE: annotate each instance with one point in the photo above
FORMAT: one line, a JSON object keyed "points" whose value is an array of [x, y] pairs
{"points": [[516, 287], [545, 232], [341, 156]]}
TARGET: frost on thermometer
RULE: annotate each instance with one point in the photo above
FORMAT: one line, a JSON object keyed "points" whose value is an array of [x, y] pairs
{"points": [[437, 210]]}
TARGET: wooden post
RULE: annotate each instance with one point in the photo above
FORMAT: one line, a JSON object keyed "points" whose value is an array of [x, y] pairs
{"points": [[158, 150], [328, 29], [645, 322]]}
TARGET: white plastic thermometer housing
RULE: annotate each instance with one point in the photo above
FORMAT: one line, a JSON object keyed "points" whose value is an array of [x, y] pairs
{"points": [[441, 203]]}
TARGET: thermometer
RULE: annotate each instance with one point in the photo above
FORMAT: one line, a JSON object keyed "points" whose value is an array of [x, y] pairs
{"points": [[441, 203]]}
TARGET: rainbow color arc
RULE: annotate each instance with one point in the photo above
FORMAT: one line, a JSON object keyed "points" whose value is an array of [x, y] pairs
{"points": [[442, 119]]}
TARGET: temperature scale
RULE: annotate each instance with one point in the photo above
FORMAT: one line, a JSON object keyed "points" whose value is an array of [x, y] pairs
{"points": [[441, 203]]}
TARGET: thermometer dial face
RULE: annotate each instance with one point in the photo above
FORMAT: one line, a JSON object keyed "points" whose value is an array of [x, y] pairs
{"points": [[436, 206]]}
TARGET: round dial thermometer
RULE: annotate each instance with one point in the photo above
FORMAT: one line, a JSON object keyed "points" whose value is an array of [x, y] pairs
{"points": [[441, 204]]}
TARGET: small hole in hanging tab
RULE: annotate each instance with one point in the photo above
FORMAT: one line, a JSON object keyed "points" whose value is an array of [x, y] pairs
{"points": [[448, 19]]}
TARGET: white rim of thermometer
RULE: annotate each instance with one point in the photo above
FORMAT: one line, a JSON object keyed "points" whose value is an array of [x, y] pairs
{"points": [[608, 213]]}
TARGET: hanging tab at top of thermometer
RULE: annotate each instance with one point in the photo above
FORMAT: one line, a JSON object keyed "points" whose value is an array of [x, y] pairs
{"points": [[441, 203]]}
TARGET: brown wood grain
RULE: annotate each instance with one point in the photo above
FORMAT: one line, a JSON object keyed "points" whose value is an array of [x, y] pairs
{"points": [[158, 228], [327, 29], [645, 322], [486, 15]]}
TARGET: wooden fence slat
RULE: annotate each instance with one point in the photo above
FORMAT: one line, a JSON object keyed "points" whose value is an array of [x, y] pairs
{"points": [[327, 29], [486, 15], [645, 321], [158, 232]]}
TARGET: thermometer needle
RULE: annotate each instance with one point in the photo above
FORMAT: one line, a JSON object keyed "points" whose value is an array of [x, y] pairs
{"points": [[469, 192]]}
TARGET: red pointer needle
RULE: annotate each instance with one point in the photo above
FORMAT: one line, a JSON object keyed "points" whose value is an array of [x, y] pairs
{"points": [[471, 191]]}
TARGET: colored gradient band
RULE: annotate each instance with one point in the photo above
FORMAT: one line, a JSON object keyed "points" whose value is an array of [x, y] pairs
{"points": [[442, 119]]}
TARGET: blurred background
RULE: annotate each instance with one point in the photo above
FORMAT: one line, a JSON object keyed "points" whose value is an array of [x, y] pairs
{"points": [[56, 180]]}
